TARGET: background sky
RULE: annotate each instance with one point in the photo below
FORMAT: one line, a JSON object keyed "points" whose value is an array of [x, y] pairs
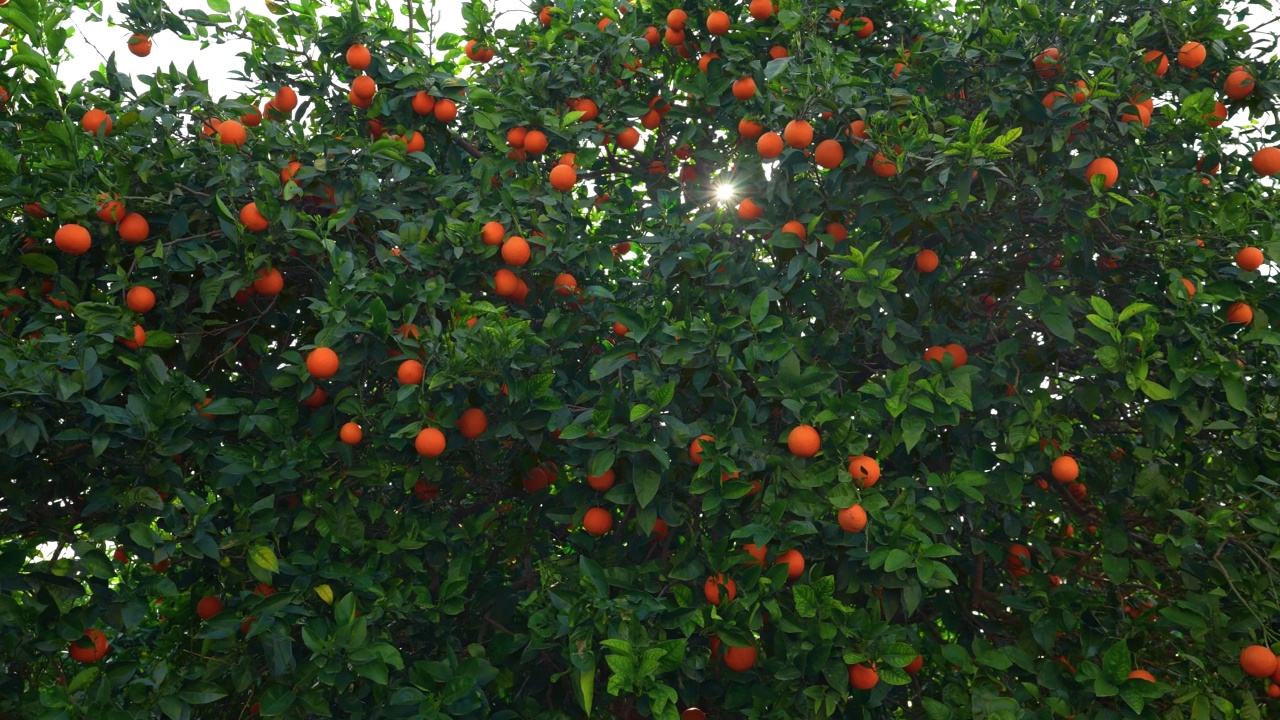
{"points": [[95, 41]]}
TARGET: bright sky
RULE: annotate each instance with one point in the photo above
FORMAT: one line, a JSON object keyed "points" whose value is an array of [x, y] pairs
{"points": [[93, 42]]}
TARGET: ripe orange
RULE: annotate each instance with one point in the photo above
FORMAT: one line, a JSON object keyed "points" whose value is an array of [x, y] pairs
{"points": [[1046, 63], [718, 589], [1273, 690], [852, 519], [748, 210], [692, 713], [858, 130], [1158, 61], [864, 470], [429, 442], [798, 134], [565, 284], [597, 521], [718, 22], [769, 145], [72, 239], [423, 103], [866, 28], [883, 166], [829, 154], [285, 100], [744, 88], [269, 282], [1141, 675], [140, 299], [95, 120], [695, 448], [137, 341], [794, 561], [290, 172], [252, 219], [959, 357], [110, 209], [364, 87], [757, 552], [1065, 469], [627, 139], [803, 441], [1218, 116], [358, 57], [563, 178], [1249, 259], [1239, 84], [472, 423], [926, 261], [535, 142], [1106, 167], [590, 111], [1240, 313], [620, 330], [82, 654], [837, 231], [1266, 161], [652, 37], [677, 18], [322, 363], [863, 677], [602, 482], [1258, 661], [410, 372], [231, 132], [492, 233], [777, 52], [208, 607], [1190, 286], [795, 227], [1191, 55], [505, 283], [749, 129], [445, 110], [515, 251], [316, 399], [351, 433], [740, 659], [139, 45], [133, 228], [761, 9]]}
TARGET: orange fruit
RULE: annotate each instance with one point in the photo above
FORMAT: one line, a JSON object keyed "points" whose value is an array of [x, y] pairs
{"points": [[864, 470], [1141, 675], [749, 129], [137, 341], [290, 172], [110, 209], [316, 399], [1065, 469], [422, 103], [777, 52], [677, 18], [620, 330], [858, 130], [350, 433], [358, 57], [1218, 116], [718, 589], [505, 283], [914, 666], [926, 261], [852, 519], [602, 482], [863, 677], [72, 239], [740, 659], [1266, 161], [1249, 259], [208, 607], [837, 231], [472, 423], [515, 251], [565, 284], [883, 166], [627, 139], [828, 154], [695, 448], [757, 552], [322, 363], [744, 88], [96, 120], [1106, 167], [1258, 661], [1157, 61], [1239, 84], [1191, 55], [692, 713], [798, 134], [718, 22], [1190, 286], [492, 233], [139, 45], [252, 219], [285, 100], [563, 178], [748, 210], [803, 441], [1046, 63], [590, 111], [445, 110], [232, 133], [133, 228], [364, 87], [761, 9], [140, 299], [82, 654], [597, 521], [1240, 313], [866, 29], [410, 372], [429, 442], [535, 142], [269, 282], [795, 227], [794, 561], [769, 145]]}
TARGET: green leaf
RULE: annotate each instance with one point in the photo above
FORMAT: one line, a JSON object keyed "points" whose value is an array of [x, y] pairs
{"points": [[774, 67], [760, 307], [1235, 393], [912, 430], [1156, 391], [646, 483], [601, 462], [201, 693], [1117, 662], [1102, 308], [1032, 292], [222, 6], [40, 263], [806, 601], [1059, 323], [640, 412], [264, 557], [593, 576], [897, 560], [1134, 309]]}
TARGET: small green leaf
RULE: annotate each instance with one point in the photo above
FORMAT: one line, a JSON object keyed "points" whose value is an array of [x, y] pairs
{"points": [[1116, 662], [264, 557], [759, 307]]}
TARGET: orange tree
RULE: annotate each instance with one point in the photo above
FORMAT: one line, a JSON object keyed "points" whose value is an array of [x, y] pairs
{"points": [[886, 359]]}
